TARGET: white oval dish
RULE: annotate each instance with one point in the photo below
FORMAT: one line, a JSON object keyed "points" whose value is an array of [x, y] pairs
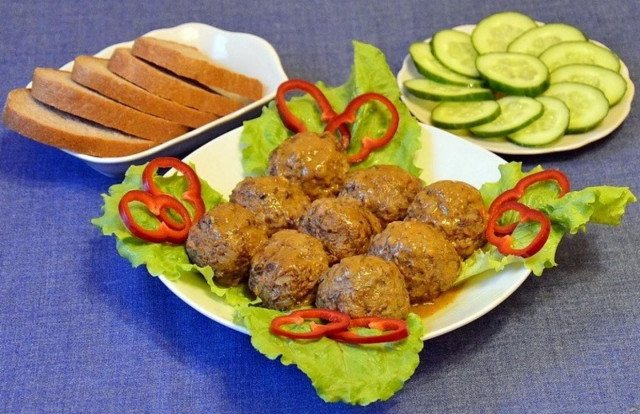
{"points": [[241, 52], [443, 156], [421, 110]]}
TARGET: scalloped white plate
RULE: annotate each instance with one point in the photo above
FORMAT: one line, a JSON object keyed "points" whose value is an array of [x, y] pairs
{"points": [[443, 156], [421, 109]]}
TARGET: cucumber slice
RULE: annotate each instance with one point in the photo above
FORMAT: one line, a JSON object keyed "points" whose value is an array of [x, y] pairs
{"points": [[435, 91], [514, 73], [454, 50], [566, 53], [516, 112], [431, 68], [546, 129], [611, 83], [587, 105], [456, 115], [537, 40], [495, 32]]}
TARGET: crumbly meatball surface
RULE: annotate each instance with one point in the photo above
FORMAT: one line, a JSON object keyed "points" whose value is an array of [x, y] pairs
{"points": [[315, 161], [363, 286], [426, 259], [275, 201], [456, 209], [286, 269], [226, 238], [385, 190], [342, 225]]}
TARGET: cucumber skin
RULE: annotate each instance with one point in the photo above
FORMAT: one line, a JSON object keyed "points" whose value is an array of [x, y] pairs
{"points": [[478, 95]]}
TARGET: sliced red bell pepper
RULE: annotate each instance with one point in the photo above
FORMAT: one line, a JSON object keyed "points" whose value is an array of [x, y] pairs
{"points": [[504, 241], [393, 330], [169, 230], [349, 115], [192, 195], [338, 321]]}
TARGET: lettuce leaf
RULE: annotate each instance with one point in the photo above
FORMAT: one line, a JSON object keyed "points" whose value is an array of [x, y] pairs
{"points": [[355, 374], [568, 214], [370, 73]]}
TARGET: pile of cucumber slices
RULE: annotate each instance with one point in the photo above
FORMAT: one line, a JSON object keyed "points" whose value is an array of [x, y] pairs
{"points": [[514, 78]]}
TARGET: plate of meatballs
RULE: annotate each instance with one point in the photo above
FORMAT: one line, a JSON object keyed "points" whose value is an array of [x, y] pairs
{"points": [[373, 241]]}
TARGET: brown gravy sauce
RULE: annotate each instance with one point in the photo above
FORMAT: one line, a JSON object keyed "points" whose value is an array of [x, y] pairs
{"points": [[428, 309]]}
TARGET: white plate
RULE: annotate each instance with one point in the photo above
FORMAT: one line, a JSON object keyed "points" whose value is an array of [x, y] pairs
{"points": [[421, 109], [240, 52], [443, 156]]}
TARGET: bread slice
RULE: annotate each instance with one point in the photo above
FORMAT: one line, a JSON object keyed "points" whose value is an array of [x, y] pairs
{"points": [[44, 124], [93, 73], [191, 63], [163, 84]]}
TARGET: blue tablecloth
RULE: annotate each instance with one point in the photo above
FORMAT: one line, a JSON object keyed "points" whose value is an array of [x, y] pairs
{"points": [[81, 331]]}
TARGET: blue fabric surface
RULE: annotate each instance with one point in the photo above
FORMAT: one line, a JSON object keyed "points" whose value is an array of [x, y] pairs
{"points": [[84, 332]]}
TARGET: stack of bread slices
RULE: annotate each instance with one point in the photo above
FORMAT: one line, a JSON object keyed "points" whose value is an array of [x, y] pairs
{"points": [[138, 98]]}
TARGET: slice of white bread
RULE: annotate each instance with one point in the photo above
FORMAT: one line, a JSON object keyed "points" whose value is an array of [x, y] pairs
{"points": [[45, 124], [191, 63], [163, 84], [93, 73], [55, 88]]}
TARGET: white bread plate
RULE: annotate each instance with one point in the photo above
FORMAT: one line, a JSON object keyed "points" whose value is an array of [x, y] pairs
{"points": [[241, 52]]}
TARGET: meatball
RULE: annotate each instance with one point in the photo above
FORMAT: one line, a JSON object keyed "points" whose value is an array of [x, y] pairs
{"points": [[385, 190], [225, 238], [456, 209], [426, 259], [285, 270], [315, 161], [342, 225], [275, 201], [363, 286]]}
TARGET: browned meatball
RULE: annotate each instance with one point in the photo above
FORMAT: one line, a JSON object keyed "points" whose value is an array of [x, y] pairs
{"points": [[456, 209], [363, 286], [316, 161], [385, 190], [275, 201], [426, 259], [225, 238], [285, 270], [342, 225]]}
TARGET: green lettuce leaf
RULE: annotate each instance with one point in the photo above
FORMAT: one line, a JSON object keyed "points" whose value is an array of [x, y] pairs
{"points": [[370, 73], [355, 374]]}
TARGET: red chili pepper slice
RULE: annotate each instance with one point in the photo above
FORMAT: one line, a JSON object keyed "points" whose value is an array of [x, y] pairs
{"points": [[159, 206], [349, 116], [338, 321], [519, 189], [192, 195], [503, 242], [393, 330], [291, 121]]}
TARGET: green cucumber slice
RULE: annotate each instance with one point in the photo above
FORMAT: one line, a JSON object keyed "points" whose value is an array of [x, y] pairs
{"points": [[431, 68], [537, 40], [454, 50], [546, 129], [611, 83], [516, 112], [457, 115], [495, 32], [435, 91], [514, 73], [587, 105], [578, 51]]}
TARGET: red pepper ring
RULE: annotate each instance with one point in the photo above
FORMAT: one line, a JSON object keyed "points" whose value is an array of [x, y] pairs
{"points": [[192, 195], [338, 321], [349, 116], [519, 189], [291, 121], [159, 206], [393, 330], [503, 242]]}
